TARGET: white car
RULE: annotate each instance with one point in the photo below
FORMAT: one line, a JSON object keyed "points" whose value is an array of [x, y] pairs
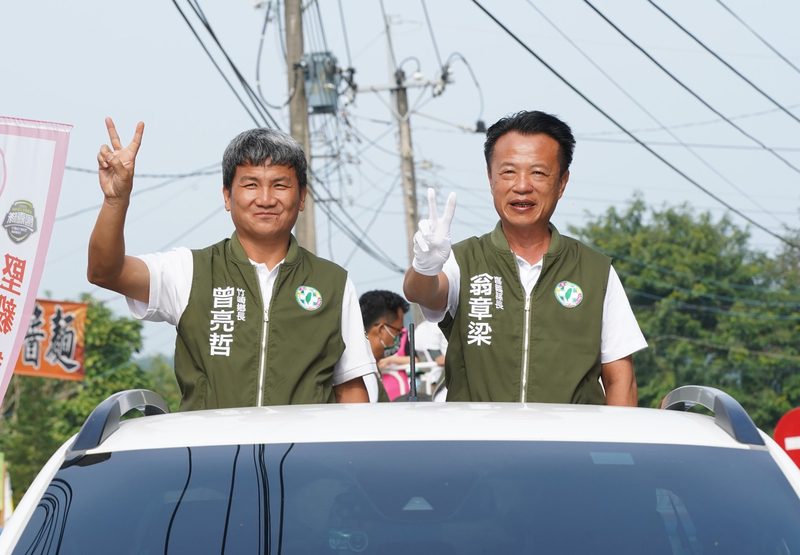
{"points": [[415, 478]]}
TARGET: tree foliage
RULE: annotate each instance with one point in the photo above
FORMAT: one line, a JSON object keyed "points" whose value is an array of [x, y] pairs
{"points": [[714, 310]]}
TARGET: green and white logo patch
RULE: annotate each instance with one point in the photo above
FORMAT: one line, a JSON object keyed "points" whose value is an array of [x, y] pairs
{"points": [[568, 294], [308, 297]]}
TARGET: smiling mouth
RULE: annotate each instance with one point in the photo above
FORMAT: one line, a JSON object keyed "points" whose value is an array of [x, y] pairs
{"points": [[523, 204]]}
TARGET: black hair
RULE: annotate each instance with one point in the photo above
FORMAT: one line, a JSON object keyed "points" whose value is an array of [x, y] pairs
{"points": [[377, 305], [256, 146], [533, 123]]}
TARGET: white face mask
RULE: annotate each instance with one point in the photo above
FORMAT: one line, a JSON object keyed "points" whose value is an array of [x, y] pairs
{"points": [[389, 350]]}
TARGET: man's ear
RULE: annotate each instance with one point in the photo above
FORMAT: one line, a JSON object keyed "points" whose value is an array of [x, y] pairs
{"points": [[303, 192], [562, 185], [226, 194]]}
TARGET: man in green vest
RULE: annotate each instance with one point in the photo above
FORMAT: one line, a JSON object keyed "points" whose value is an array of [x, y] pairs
{"points": [[260, 320], [530, 315]]}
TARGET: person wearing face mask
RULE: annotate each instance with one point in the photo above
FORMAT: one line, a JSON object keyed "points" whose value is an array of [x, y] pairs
{"points": [[382, 312]]}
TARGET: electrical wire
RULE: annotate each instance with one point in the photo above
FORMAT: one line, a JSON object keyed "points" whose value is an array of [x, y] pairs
{"points": [[653, 117], [729, 66], [689, 306], [178, 177], [759, 37], [213, 61], [737, 348], [433, 38], [377, 213], [260, 107], [681, 144], [204, 220], [699, 123], [388, 35], [631, 135], [344, 34], [258, 67], [689, 90], [459, 56], [151, 175], [321, 27]]}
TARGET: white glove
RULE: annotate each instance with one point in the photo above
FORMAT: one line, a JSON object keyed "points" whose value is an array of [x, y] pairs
{"points": [[432, 241]]}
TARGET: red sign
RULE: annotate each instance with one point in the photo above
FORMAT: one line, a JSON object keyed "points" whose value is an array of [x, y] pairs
{"points": [[787, 434]]}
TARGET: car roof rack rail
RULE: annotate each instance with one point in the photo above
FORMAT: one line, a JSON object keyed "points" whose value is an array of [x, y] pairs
{"points": [[105, 418], [728, 413]]}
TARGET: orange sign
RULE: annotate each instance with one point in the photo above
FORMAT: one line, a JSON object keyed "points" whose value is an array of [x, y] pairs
{"points": [[54, 340]]}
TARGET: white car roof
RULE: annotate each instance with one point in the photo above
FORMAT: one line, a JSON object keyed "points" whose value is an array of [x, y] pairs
{"points": [[417, 421]]}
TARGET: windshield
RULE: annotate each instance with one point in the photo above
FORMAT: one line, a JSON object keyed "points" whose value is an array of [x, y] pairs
{"points": [[420, 498]]}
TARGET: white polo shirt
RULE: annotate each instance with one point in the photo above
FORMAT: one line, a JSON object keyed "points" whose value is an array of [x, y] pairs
{"points": [[620, 335], [171, 282]]}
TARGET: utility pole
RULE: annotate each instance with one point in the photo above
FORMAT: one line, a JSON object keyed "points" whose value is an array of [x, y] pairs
{"points": [[298, 113], [406, 161]]}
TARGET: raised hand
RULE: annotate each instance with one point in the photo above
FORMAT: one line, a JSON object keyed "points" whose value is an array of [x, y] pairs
{"points": [[116, 164], [432, 241]]}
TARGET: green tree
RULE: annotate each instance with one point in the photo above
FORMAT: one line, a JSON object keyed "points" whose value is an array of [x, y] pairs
{"points": [[162, 375], [714, 310], [41, 413]]}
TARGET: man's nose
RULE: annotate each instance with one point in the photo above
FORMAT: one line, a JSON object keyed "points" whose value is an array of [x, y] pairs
{"points": [[265, 196], [524, 183]]}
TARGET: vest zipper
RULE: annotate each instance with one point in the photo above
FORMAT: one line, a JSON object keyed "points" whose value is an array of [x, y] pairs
{"points": [[263, 363], [525, 347]]}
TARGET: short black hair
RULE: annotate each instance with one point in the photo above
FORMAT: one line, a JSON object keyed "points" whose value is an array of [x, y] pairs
{"points": [[377, 305], [533, 123], [256, 146]]}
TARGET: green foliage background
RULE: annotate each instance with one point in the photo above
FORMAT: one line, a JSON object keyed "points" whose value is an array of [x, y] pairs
{"points": [[714, 311]]}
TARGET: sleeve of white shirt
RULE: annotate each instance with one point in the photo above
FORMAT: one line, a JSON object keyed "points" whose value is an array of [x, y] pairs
{"points": [[453, 273], [620, 335], [357, 359], [170, 285]]}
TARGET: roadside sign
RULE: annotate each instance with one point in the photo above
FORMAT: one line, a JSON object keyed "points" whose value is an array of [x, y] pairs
{"points": [[787, 434]]}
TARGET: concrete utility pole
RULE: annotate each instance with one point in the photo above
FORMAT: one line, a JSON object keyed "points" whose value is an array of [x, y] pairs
{"points": [[406, 162], [298, 113]]}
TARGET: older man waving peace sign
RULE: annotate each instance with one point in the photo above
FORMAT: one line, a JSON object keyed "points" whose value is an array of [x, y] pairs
{"points": [[531, 315]]}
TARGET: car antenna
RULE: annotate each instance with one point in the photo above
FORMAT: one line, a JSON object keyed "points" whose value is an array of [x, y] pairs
{"points": [[412, 366]]}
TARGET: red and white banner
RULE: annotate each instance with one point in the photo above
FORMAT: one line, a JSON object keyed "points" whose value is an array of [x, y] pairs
{"points": [[33, 155]]}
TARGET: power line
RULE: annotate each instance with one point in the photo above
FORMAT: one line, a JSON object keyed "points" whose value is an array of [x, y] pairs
{"points": [[201, 171], [653, 117], [712, 296], [213, 61], [631, 135], [153, 175], [389, 191], [736, 348], [433, 39], [689, 90], [388, 35], [700, 123], [584, 137], [759, 37], [344, 34], [205, 219], [459, 56], [258, 65], [729, 66], [714, 310]]}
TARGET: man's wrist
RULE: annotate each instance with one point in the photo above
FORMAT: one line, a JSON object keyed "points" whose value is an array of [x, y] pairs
{"points": [[426, 269]]}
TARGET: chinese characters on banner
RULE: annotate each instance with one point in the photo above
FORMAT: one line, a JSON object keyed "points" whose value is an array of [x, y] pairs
{"points": [[33, 155], [54, 340]]}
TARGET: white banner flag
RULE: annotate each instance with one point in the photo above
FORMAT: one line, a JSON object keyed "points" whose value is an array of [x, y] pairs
{"points": [[33, 155]]}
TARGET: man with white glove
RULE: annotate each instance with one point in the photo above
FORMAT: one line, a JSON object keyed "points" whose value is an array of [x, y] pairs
{"points": [[530, 315]]}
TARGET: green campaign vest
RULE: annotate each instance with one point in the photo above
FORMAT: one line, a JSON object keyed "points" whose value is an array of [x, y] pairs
{"points": [[486, 355], [218, 350]]}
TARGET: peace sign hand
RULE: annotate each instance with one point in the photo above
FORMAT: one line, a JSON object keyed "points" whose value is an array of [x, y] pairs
{"points": [[432, 241], [116, 166]]}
